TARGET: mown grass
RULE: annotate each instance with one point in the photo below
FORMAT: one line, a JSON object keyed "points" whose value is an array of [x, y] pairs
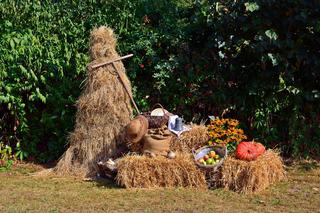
{"points": [[22, 192]]}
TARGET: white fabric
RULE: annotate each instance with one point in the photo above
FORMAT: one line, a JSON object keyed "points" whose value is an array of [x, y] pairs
{"points": [[172, 124]]}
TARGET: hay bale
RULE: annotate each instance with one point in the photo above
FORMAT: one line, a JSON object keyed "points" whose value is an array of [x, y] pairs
{"points": [[254, 176], [193, 139], [103, 110], [213, 178], [145, 172]]}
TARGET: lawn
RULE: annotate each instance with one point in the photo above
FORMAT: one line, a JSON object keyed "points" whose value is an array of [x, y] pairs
{"points": [[23, 192]]}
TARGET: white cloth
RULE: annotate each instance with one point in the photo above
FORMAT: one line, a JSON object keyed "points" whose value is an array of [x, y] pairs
{"points": [[172, 124]]}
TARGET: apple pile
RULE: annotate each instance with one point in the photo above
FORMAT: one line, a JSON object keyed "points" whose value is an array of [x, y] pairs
{"points": [[210, 158]]}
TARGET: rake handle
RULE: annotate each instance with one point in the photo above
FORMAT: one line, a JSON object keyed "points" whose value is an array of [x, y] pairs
{"points": [[111, 61], [125, 87]]}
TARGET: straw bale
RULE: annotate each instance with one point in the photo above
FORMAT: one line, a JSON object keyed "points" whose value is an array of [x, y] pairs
{"points": [[145, 172], [213, 177], [103, 110], [193, 139], [254, 176]]}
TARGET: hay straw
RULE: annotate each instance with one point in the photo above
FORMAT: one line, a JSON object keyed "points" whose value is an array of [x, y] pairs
{"points": [[254, 176], [136, 147], [213, 178], [193, 139], [103, 110], [145, 172]]}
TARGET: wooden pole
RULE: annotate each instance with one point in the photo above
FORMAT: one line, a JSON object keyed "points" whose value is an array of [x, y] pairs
{"points": [[111, 61], [125, 87]]}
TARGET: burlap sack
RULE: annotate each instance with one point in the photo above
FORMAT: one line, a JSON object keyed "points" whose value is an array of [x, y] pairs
{"points": [[157, 142]]}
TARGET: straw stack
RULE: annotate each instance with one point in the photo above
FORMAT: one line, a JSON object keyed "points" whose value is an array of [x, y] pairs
{"points": [[103, 110]]}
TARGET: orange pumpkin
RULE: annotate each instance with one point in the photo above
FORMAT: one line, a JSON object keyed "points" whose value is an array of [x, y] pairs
{"points": [[246, 151], [260, 148]]}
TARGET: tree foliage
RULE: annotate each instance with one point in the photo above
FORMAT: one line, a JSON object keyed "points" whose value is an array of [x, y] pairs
{"points": [[257, 60]]}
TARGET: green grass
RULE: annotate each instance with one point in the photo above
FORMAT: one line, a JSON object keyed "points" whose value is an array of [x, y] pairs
{"points": [[22, 192]]}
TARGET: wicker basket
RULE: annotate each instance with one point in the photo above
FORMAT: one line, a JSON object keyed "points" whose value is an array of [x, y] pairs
{"points": [[157, 121], [199, 153]]}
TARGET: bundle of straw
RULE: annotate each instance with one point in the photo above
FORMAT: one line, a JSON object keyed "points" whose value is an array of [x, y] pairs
{"points": [[145, 172], [254, 176], [103, 110], [193, 139]]}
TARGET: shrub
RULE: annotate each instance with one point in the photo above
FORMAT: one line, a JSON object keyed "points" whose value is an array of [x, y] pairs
{"points": [[266, 54], [256, 59]]}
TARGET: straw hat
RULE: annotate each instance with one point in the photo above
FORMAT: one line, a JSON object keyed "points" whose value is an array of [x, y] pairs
{"points": [[136, 129]]}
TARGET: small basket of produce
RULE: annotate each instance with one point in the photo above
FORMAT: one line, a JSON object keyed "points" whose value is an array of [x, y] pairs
{"points": [[210, 157]]}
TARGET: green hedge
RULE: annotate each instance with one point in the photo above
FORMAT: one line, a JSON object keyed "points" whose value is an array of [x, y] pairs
{"points": [[256, 60], [269, 61]]}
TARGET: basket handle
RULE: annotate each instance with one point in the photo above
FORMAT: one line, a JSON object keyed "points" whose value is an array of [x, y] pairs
{"points": [[158, 104]]}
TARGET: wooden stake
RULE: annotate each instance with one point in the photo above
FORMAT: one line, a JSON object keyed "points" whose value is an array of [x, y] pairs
{"points": [[111, 61], [125, 87]]}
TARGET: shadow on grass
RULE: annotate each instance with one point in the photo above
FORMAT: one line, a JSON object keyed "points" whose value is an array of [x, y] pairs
{"points": [[308, 166], [106, 183]]}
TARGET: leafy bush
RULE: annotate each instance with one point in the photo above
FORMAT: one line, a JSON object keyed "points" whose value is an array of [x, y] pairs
{"points": [[256, 60], [42, 59], [43, 54], [6, 157], [268, 59]]}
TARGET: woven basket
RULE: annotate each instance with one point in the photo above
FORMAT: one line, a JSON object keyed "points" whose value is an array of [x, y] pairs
{"points": [[157, 121], [199, 153]]}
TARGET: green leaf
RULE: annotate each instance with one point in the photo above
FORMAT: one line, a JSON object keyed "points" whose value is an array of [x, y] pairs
{"points": [[8, 24], [16, 40], [43, 79], [274, 60], [271, 34], [39, 95], [282, 83], [251, 6], [12, 44], [23, 70], [293, 90], [33, 75]]}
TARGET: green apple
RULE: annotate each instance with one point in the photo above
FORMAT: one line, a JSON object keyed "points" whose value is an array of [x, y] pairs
{"points": [[209, 161]]}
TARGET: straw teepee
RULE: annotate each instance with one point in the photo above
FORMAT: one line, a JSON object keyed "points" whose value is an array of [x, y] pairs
{"points": [[103, 110]]}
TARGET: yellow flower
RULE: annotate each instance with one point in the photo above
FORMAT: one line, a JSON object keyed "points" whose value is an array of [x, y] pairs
{"points": [[224, 131]]}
